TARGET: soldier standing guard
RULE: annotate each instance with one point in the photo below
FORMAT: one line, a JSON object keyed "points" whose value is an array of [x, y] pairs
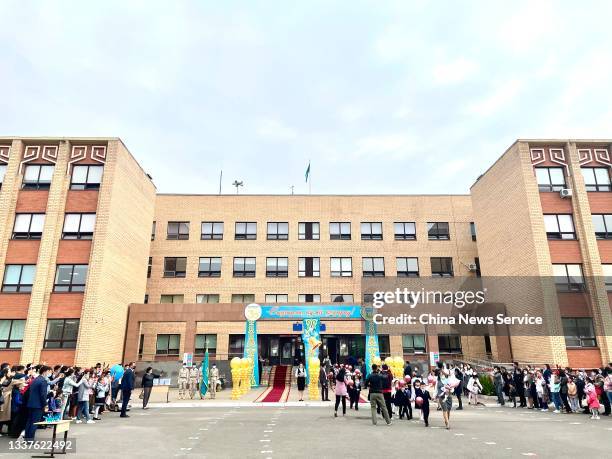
{"points": [[183, 378], [194, 373], [212, 380]]}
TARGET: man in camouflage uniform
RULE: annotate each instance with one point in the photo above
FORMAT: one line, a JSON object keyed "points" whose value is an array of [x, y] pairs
{"points": [[194, 375], [213, 379], [183, 381]]}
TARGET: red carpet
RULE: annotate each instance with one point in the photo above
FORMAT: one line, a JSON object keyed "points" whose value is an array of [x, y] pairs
{"points": [[279, 389]]}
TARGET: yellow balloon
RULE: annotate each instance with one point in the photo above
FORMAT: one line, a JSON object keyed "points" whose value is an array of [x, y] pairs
{"points": [[314, 362], [389, 361], [235, 363], [399, 361]]}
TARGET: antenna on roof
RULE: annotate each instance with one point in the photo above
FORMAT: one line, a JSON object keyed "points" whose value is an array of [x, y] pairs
{"points": [[237, 184]]}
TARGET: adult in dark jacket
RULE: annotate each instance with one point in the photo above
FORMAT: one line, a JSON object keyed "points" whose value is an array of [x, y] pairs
{"points": [[517, 378], [127, 386], [37, 402], [147, 386], [324, 384], [408, 369]]}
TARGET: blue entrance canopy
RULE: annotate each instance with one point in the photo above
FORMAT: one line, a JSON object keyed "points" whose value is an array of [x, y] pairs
{"points": [[319, 311]]}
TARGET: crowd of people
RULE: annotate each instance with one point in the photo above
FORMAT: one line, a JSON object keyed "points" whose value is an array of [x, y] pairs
{"points": [[31, 392], [559, 389]]}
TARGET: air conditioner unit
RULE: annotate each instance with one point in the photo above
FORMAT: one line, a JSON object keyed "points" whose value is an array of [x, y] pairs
{"points": [[565, 193], [472, 267]]}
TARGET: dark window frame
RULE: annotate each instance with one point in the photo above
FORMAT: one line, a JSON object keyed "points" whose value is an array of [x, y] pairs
{"points": [[277, 236], [441, 272], [333, 297], [36, 185], [473, 230], [607, 234], [63, 343], [450, 347], [8, 342], [560, 235], [550, 187], [308, 233], [201, 351], [342, 272], [71, 286], [309, 271], [579, 340], [277, 272], [243, 299], [414, 349], [597, 187], [371, 236], [19, 287], [404, 235], [78, 235], [180, 234], [29, 234], [149, 267], [373, 272], [306, 297], [168, 350], [213, 235], [174, 273], [207, 295], [210, 272], [247, 235], [568, 285], [177, 296], [407, 272], [244, 272], [436, 233], [86, 186], [276, 300], [339, 235]]}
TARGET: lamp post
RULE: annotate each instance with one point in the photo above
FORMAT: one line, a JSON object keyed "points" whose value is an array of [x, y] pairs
{"points": [[237, 184]]}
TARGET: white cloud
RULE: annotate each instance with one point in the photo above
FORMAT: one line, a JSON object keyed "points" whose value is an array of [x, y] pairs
{"points": [[454, 71], [500, 99], [351, 113], [396, 146], [273, 130]]}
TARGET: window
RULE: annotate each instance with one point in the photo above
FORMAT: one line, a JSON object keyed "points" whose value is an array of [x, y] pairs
{"points": [[368, 298], [37, 177], [341, 267], [18, 278], [178, 230], [79, 226], [309, 298], [70, 278], [177, 299], [277, 298], [168, 345], [568, 278], [207, 298], [210, 267], [277, 267], [243, 298], [175, 266], [244, 267], [309, 231], [278, 231], [146, 299], [578, 332], [371, 231], [28, 226], [236, 346], [2, 173], [11, 333], [246, 231], [473, 230], [153, 231], [86, 177], [61, 334], [373, 267], [602, 223], [550, 178], [205, 342], [414, 344], [438, 231], [404, 231], [212, 230], [341, 298], [449, 344], [407, 267], [596, 178], [149, 267], [309, 267], [442, 267], [607, 272], [340, 231], [559, 226]]}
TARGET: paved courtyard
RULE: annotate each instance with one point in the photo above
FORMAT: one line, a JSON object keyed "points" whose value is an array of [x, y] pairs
{"points": [[311, 431]]}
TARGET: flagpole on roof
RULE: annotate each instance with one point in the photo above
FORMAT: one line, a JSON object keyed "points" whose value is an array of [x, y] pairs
{"points": [[309, 179]]}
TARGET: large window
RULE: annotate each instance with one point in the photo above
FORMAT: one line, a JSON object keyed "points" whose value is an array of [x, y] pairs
{"points": [[168, 344], [371, 231], [18, 278], [607, 272], [28, 226], [79, 226], [404, 231], [204, 343], [373, 266], [449, 344], [559, 226], [309, 230], [210, 267], [244, 267], [473, 230], [602, 223], [407, 267], [341, 298], [246, 231], [413, 344], [212, 230], [568, 277], [596, 178], [86, 177], [61, 334], [579, 332], [309, 267], [175, 266], [550, 178], [37, 177], [243, 297], [11, 333], [277, 298], [442, 267], [309, 298], [207, 298], [277, 267], [278, 231], [341, 267], [70, 278], [178, 230], [236, 346], [172, 298], [340, 230], [438, 231]]}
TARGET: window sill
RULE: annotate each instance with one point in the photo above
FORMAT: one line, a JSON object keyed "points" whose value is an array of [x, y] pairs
{"points": [[582, 347]]}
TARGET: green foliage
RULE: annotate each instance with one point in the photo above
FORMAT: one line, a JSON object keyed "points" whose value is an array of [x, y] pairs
{"points": [[487, 385]]}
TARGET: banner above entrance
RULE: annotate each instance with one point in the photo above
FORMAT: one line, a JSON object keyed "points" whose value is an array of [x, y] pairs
{"points": [[319, 311]]}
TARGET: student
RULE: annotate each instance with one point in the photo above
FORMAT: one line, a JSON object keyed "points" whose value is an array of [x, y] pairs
{"points": [[300, 375], [101, 390], [572, 394], [592, 400], [475, 387], [83, 399], [341, 391], [422, 397]]}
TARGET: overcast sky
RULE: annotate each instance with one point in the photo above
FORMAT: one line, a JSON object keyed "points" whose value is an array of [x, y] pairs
{"points": [[381, 97]]}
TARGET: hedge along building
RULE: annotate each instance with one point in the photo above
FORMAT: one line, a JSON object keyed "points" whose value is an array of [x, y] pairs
{"points": [[211, 255]]}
